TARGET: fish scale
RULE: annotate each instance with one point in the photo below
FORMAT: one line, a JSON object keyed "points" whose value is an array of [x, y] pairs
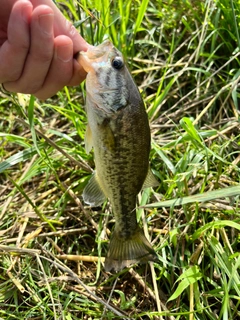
{"points": [[118, 130]]}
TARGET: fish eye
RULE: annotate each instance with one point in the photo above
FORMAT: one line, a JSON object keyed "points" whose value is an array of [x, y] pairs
{"points": [[117, 63]]}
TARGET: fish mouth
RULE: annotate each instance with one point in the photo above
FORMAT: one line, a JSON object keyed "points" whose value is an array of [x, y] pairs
{"points": [[98, 54]]}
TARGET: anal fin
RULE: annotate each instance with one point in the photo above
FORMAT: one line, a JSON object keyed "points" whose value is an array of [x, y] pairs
{"points": [[93, 193]]}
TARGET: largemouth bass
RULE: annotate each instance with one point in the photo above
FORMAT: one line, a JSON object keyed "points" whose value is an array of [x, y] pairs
{"points": [[118, 130]]}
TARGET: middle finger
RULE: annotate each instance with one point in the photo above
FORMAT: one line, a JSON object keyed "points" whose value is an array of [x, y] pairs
{"points": [[40, 54]]}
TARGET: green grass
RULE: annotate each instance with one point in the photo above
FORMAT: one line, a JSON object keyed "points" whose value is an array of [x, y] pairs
{"points": [[185, 58]]}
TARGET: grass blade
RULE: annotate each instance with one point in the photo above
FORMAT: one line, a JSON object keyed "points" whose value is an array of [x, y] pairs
{"points": [[201, 197]]}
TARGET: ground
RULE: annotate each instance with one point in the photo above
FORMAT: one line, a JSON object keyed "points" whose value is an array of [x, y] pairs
{"points": [[184, 57]]}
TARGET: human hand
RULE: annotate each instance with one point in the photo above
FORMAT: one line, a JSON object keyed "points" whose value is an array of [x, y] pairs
{"points": [[37, 45]]}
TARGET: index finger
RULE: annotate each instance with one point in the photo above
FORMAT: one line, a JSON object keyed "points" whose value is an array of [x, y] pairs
{"points": [[64, 27]]}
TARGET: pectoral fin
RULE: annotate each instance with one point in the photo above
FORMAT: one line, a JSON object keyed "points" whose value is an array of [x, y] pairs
{"points": [[150, 180], [109, 139], [93, 193], [88, 140]]}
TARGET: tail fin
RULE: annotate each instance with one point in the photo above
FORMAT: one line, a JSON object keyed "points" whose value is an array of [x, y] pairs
{"points": [[125, 252]]}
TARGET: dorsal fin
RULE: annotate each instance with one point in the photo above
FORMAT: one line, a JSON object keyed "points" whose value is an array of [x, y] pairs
{"points": [[150, 180]]}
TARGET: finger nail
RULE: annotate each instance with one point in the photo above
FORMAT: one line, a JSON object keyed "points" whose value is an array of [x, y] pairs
{"points": [[46, 23], [64, 53]]}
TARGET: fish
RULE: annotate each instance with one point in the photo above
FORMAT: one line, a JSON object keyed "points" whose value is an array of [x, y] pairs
{"points": [[119, 133]]}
